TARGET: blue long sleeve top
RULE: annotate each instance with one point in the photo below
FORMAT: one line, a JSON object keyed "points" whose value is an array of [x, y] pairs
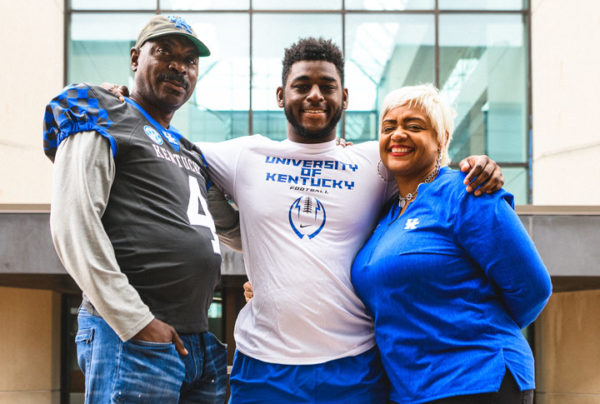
{"points": [[450, 283]]}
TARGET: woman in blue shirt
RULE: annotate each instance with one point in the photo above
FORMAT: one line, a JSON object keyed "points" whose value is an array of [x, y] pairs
{"points": [[450, 279]]}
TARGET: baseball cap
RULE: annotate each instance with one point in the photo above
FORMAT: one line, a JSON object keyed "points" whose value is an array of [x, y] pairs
{"points": [[161, 25]]}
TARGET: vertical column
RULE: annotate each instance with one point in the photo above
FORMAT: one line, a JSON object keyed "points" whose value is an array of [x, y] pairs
{"points": [[568, 350], [30, 348]]}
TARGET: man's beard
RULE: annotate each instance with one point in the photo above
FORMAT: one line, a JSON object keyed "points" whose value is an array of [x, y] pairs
{"points": [[313, 135]]}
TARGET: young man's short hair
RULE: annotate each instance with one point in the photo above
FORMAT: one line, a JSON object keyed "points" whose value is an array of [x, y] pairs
{"points": [[313, 49]]}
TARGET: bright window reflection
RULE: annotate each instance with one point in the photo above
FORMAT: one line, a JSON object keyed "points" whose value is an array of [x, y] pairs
{"points": [[297, 4], [483, 72], [204, 4], [98, 54], [384, 52], [482, 4], [515, 181], [482, 65], [113, 4], [218, 110], [390, 4], [272, 34], [219, 107]]}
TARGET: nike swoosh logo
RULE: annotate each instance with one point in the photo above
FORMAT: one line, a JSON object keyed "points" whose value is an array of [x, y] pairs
{"points": [[303, 226]]}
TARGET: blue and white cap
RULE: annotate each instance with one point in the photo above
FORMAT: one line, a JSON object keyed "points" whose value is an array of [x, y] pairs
{"points": [[161, 25]]}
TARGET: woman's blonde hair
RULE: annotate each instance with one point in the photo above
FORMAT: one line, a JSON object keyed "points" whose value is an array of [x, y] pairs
{"points": [[426, 98]]}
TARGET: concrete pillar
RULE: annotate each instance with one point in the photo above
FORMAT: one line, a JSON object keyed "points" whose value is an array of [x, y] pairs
{"points": [[567, 341], [30, 324]]}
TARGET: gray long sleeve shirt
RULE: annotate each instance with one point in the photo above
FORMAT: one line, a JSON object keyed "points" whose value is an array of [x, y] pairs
{"points": [[84, 172]]}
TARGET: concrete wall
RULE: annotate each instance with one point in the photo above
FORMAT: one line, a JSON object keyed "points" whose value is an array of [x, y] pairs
{"points": [[566, 150], [565, 86], [31, 73], [567, 349], [30, 346]]}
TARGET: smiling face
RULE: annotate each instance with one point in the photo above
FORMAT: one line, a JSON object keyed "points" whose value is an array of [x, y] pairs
{"points": [[313, 100], [408, 144], [166, 71]]}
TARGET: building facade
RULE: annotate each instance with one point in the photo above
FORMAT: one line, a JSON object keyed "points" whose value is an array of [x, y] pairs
{"points": [[524, 88]]}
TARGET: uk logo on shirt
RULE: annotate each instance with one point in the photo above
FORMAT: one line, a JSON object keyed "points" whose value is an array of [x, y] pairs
{"points": [[153, 134], [411, 224]]}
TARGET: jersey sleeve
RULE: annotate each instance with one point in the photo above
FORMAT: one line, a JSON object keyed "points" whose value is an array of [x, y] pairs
{"points": [[83, 175], [222, 159], [493, 236], [76, 109]]}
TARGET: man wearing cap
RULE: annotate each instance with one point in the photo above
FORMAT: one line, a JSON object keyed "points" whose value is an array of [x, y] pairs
{"points": [[130, 223]]}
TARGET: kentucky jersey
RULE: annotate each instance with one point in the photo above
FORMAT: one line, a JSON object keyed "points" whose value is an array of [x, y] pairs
{"points": [[156, 217], [305, 210]]}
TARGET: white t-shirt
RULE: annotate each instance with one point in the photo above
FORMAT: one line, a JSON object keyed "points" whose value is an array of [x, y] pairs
{"points": [[305, 210]]}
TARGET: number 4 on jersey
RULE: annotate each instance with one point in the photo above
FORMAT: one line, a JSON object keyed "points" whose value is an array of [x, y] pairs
{"points": [[201, 218]]}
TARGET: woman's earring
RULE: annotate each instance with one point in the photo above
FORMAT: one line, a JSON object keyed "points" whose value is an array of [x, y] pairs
{"points": [[379, 164]]}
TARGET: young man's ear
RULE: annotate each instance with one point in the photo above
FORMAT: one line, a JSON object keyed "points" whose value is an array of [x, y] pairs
{"points": [[134, 54], [345, 98], [279, 93]]}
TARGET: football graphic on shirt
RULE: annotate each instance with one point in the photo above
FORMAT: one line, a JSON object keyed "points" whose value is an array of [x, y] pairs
{"points": [[307, 216]]}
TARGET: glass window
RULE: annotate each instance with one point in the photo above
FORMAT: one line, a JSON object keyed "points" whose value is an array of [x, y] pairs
{"points": [[482, 63], [215, 316], [297, 4], [218, 110], [390, 4], [515, 182], [482, 4], [204, 4], [100, 44], [272, 33], [383, 52], [483, 74], [113, 4]]}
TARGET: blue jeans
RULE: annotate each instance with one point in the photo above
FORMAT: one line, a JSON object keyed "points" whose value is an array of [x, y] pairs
{"points": [[148, 372], [357, 379]]}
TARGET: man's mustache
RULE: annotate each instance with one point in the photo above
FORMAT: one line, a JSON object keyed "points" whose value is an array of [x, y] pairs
{"points": [[178, 78]]}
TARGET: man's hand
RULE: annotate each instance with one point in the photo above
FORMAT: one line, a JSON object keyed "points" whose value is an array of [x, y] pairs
{"points": [[340, 141], [158, 331], [484, 175], [118, 91], [248, 293]]}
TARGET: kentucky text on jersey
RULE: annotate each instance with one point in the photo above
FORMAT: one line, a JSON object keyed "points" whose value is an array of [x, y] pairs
{"points": [[175, 158]]}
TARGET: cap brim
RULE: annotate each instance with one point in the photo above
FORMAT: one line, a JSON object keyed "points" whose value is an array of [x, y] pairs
{"points": [[202, 49]]}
